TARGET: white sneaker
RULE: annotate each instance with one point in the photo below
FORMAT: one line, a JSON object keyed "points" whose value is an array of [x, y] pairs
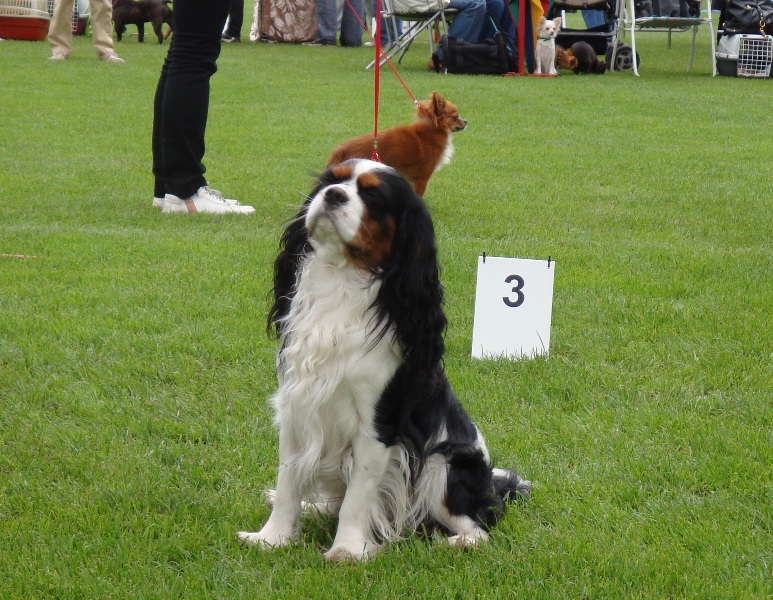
{"points": [[158, 202], [58, 56], [230, 201], [204, 201], [111, 57]]}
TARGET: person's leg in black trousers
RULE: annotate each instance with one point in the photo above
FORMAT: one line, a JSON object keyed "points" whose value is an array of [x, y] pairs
{"points": [[233, 33], [181, 106]]}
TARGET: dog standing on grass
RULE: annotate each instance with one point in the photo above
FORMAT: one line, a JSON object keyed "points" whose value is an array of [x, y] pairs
{"points": [[415, 151], [139, 12]]}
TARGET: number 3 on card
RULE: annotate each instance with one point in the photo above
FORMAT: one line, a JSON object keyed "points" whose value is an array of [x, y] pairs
{"points": [[504, 284], [517, 290]]}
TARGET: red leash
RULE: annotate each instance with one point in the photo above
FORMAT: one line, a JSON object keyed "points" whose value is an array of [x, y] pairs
{"points": [[380, 55], [377, 43], [376, 78]]}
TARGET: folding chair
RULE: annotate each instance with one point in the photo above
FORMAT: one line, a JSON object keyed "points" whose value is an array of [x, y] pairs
{"points": [[662, 24], [434, 17]]}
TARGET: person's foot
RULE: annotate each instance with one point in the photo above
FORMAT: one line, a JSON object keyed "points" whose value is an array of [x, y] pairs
{"points": [[158, 201], [320, 43], [207, 201], [436, 63], [110, 57], [230, 201], [58, 56], [229, 39]]}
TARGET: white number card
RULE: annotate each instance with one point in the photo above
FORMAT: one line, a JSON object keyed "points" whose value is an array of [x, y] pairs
{"points": [[513, 307]]}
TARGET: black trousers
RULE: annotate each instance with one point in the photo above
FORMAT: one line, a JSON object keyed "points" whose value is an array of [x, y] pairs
{"points": [[235, 19], [181, 103]]}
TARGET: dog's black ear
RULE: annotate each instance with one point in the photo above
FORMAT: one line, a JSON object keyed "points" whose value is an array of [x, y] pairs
{"points": [[293, 246], [411, 296]]}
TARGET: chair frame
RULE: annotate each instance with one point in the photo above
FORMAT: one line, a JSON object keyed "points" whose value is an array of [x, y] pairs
{"points": [[629, 22], [416, 22], [596, 36]]}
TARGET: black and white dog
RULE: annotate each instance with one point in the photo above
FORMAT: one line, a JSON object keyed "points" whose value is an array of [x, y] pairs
{"points": [[369, 428]]}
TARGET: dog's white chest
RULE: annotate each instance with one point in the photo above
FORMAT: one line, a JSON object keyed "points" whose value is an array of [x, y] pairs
{"points": [[331, 363], [545, 56], [448, 154], [329, 318]]}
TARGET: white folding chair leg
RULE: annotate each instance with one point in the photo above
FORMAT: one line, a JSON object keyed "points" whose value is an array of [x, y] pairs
{"points": [[633, 37]]}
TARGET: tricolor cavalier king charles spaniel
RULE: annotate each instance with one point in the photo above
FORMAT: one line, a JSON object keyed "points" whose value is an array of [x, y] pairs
{"points": [[369, 428]]}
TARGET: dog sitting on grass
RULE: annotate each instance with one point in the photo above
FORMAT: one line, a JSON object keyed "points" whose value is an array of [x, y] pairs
{"points": [[139, 12], [545, 47]]}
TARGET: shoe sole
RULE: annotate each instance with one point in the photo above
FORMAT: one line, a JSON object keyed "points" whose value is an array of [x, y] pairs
{"points": [[174, 207], [185, 209]]}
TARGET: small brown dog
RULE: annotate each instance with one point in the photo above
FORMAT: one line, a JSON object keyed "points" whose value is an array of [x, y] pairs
{"points": [[564, 60], [580, 58], [415, 151], [139, 12]]}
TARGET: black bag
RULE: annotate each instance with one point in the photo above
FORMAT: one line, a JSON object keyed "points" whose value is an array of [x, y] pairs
{"points": [[748, 16], [490, 57], [668, 8], [643, 8]]}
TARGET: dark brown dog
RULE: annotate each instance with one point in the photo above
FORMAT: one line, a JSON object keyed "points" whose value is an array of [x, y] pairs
{"points": [[580, 58], [139, 12]]}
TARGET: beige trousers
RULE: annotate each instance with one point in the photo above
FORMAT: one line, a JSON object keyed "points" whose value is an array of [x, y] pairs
{"points": [[60, 28]]}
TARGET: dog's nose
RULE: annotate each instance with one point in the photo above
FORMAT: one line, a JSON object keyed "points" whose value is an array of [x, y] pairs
{"points": [[335, 197]]}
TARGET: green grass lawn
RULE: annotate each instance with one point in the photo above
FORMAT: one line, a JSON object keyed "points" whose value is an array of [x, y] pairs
{"points": [[135, 436]]}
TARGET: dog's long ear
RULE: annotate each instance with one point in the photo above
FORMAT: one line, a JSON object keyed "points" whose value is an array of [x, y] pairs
{"points": [[411, 296], [437, 109], [293, 246]]}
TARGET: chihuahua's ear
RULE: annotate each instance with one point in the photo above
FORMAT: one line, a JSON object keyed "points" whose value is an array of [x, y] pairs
{"points": [[542, 21], [437, 99], [438, 108], [557, 21]]}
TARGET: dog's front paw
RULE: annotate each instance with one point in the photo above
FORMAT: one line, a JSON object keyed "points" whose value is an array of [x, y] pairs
{"points": [[267, 538], [352, 553], [468, 540]]}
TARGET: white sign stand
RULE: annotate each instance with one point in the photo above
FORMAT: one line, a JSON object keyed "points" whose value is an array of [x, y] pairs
{"points": [[513, 307]]}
